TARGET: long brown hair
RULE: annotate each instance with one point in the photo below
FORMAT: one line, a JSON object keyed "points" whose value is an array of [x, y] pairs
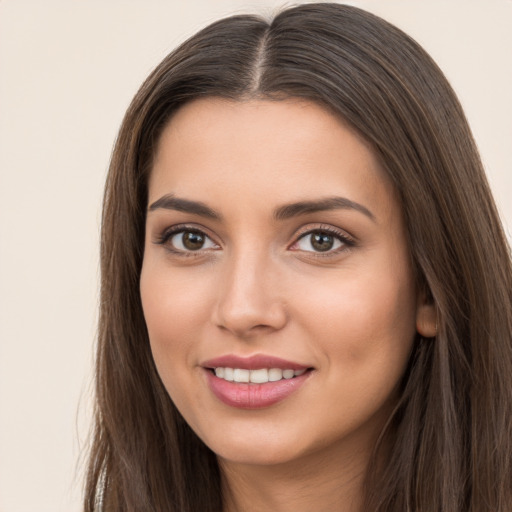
{"points": [[451, 432]]}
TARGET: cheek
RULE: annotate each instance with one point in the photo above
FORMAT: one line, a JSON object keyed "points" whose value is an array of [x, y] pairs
{"points": [[367, 340], [174, 311], [173, 300], [366, 325]]}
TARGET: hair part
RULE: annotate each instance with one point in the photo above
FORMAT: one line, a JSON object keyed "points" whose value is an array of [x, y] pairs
{"points": [[451, 432]]}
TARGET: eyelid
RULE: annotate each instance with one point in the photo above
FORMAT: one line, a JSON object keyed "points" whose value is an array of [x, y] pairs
{"points": [[165, 235], [347, 240]]}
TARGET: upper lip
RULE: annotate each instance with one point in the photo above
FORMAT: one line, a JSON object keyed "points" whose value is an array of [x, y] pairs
{"points": [[252, 363]]}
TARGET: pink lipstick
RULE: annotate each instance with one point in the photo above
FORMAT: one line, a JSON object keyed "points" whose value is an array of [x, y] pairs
{"points": [[255, 382]]}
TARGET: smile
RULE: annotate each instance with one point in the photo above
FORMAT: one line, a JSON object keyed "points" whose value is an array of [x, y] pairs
{"points": [[254, 382], [257, 376]]}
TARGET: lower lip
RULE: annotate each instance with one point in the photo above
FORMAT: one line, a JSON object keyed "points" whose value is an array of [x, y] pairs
{"points": [[254, 396]]}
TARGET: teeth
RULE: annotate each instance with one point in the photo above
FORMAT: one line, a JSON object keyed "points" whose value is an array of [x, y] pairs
{"points": [[240, 375], [275, 374], [260, 376]]}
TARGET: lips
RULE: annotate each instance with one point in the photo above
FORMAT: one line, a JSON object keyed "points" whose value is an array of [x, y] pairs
{"points": [[252, 363], [254, 382]]}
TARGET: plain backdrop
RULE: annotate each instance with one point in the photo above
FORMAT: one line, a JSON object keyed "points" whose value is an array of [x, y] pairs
{"points": [[68, 70]]}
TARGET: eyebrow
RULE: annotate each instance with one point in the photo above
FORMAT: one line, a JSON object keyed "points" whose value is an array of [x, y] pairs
{"points": [[171, 202], [329, 203], [287, 211]]}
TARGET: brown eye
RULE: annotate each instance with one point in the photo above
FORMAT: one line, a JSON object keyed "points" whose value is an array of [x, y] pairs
{"points": [[320, 241], [192, 241], [187, 241]]}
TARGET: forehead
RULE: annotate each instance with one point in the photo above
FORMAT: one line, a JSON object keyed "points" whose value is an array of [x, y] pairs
{"points": [[266, 151]]}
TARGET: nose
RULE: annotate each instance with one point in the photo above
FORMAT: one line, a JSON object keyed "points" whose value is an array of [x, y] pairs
{"points": [[248, 300]]}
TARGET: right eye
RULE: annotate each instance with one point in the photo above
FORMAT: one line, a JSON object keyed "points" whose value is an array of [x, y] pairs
{"points": [[186, 240], [190, 240]]}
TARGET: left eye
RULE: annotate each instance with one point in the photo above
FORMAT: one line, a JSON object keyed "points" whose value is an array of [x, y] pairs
{"points": [[191, 241], [319, 241]]}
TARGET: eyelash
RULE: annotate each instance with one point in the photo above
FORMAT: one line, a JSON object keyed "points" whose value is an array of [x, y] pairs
{"points": [[346, 241], [167, 234]]}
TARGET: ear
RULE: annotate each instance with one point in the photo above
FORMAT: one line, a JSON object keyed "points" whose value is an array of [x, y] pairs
{"points": [[426, 317]]}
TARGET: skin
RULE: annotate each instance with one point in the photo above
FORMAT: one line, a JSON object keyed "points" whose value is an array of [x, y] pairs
{"points": [[258, 286]]}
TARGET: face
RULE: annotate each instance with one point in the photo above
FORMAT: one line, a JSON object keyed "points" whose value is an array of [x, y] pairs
{"points": [[275, 253]]}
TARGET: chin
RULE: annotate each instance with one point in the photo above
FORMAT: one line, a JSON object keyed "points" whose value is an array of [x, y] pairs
{"points": [[255, 448], [259, 455]]}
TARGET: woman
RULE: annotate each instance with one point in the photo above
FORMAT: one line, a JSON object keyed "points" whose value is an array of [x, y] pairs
{"points": [[306, 290]]}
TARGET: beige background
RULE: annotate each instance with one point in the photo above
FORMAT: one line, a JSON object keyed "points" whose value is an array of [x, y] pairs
{"points": [[68, 70]]}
